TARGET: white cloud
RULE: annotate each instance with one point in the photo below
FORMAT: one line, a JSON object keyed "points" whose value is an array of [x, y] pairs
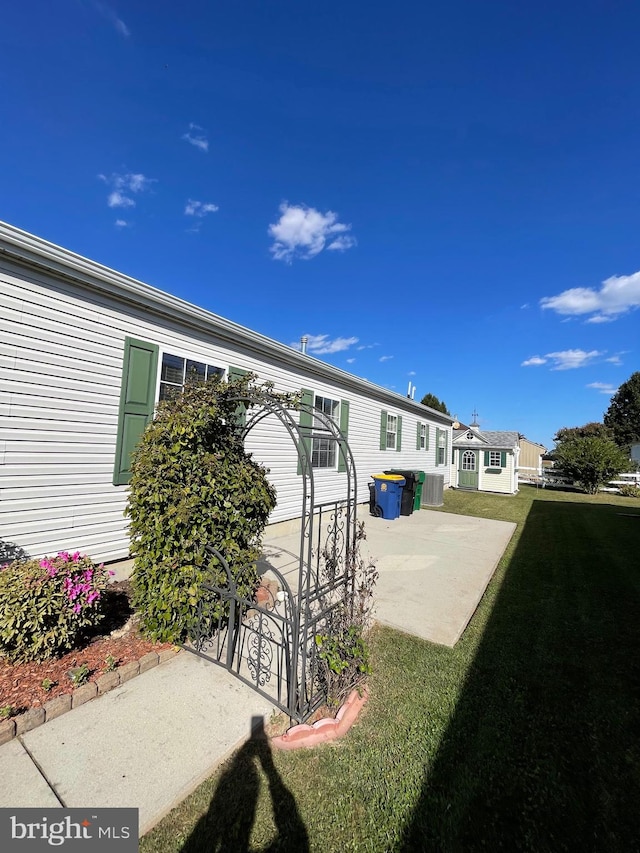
{"points": [[599, 318], [617, 295], [368, 346], [322, 344], [303, 232], [572, 358], [117, 199], [385, 357], [603, 387], [199, 208], [122, 184], [614, 359], [565, 360], [350, 360], [108, 13], [523, 307], [411, 373], [196, 137], [342, 243], [121, 223]]}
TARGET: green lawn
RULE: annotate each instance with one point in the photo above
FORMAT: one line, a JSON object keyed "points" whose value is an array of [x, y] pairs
{"points": [[525, 736]]}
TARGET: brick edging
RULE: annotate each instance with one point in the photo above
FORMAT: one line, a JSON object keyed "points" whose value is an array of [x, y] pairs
{"points": [[35, 717], [304, 736]]}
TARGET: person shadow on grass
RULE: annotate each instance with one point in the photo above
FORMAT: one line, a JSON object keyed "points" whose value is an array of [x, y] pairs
{"points": [[226, 828]]}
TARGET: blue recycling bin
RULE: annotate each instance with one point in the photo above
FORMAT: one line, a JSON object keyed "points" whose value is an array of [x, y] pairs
{"points": [[388, 494]]}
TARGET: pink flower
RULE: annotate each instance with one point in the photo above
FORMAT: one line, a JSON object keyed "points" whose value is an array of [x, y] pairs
{"points": [[64, 555], [76, 556], [111, 572], [46, 563], [77, 608]]}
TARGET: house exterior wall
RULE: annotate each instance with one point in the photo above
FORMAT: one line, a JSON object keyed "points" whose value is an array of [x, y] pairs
{"points": [[61, 363], [503, 482], [530, 457]]}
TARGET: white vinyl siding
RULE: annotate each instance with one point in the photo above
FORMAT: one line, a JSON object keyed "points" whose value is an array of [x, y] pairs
{"points": [[491, 482], [61, 360]]}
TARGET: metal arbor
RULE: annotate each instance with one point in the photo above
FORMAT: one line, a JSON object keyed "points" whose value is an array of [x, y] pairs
{"points": [[271, 644]]}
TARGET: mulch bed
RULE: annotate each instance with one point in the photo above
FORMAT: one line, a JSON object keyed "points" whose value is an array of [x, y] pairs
{"points": [[117, 635]]}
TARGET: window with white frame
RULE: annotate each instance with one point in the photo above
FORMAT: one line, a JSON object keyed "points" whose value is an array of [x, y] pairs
{"points": [[423, 437], [392, 431], [495, 459], [324, 447], [175, 371], [442, 447]]}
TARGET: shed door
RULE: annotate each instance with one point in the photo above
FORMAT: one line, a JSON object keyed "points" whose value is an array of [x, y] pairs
{"points": [[468, 471]]}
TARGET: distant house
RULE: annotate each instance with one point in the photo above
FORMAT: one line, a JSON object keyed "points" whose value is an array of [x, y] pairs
{"points": [[531, 454], [485, 461], [635, 452], [86, 353]]}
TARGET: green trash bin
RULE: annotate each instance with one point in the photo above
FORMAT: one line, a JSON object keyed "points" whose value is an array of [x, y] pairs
{"points": [[419, 475], [415, 481]]}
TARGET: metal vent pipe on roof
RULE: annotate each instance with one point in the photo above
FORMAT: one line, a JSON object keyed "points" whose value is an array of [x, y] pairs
{"points": [[304, 340]]}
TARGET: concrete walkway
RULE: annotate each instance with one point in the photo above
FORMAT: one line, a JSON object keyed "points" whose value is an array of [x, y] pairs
{"points": [[434, 568], [147, 744], [151, 741]]}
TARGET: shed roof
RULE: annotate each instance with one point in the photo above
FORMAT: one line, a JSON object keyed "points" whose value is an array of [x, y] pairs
{"points": [[489, 439]]}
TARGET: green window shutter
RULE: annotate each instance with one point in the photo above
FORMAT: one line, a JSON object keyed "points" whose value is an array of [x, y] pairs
{"points": [[503, 459], [426, 446], [344, 429], [399, 435], [418, 435], [437, 444], [241, 409], [486, 458], [137, 401], [383, 430], [306, 422]]}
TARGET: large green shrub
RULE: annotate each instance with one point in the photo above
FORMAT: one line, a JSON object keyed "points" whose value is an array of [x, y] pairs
{"points": [[590, 461], [193, 484], [45, 605]]}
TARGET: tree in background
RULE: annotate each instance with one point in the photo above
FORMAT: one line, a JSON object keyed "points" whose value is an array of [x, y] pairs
{"points": [[623, 415], [590, 460], [590, 430], [434, 403]]}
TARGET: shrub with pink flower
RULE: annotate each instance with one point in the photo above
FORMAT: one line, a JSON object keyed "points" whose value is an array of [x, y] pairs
{"points": [[46, 604]]}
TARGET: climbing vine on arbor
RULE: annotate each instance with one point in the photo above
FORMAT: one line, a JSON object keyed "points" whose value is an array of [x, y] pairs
{"points": [[193, 484]]}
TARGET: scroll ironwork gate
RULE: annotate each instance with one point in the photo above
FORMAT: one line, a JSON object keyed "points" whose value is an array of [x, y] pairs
{"points": [[271, 644]]}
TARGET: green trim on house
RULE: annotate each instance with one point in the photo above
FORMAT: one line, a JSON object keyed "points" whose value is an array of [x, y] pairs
{"points": [[383, 429], [306, 422], [241, 409], [344, 429], [399, 434], [137, 402]]}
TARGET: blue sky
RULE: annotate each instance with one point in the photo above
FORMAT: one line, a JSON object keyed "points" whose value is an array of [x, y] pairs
{"points": [[441, 194]]}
